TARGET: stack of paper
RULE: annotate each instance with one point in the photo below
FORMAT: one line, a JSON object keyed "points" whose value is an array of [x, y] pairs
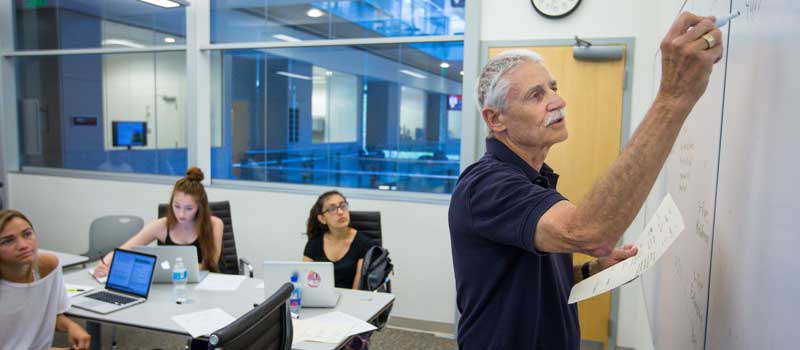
{"points": [[332, 328], [221, 282], [204, 322], [661, 231], [101, 280]]}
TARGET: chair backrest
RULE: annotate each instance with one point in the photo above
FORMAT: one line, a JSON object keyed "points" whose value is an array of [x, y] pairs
{"points": [[375, 270], [109, 232], [375, 278], [228, 260], [368, 223], [266, 327]]}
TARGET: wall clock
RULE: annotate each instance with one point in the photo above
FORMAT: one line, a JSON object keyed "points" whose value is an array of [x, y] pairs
{"points": [[555, 8]]}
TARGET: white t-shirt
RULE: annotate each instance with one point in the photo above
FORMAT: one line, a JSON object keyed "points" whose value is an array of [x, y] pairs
{"points": [[28, 311]]}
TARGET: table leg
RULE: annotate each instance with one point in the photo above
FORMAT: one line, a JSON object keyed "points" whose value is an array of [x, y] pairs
{"points": [[93, 328]]}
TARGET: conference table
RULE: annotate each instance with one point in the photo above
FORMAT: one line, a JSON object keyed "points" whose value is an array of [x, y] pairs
{"points": [[66, 259], [156, 313]]}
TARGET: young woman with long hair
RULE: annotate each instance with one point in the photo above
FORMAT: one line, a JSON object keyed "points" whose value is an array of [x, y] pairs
{"points": [[331, 238], [188, 222]]}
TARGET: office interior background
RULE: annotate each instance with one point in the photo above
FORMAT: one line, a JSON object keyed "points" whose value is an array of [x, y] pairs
{"points": [[105, 103]]}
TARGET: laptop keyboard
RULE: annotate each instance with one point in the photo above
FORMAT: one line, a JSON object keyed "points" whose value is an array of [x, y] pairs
{"points": [[111, 298]]}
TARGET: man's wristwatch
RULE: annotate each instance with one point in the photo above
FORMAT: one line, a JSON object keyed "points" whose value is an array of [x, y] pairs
{"points": [[585, 270]]}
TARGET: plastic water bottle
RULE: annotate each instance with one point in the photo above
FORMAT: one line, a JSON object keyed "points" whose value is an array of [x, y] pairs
{"points": [[179, 278], [294, 299]]}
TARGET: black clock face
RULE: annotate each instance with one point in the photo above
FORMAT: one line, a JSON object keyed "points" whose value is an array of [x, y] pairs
{"points": [[555, 8]]}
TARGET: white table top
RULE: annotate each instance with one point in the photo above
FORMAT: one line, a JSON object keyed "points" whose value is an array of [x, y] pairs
{"points": [[156, 313], [67, 259]]}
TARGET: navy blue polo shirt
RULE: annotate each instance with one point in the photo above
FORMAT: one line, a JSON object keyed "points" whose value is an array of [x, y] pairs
{"points": [[510, 295]]}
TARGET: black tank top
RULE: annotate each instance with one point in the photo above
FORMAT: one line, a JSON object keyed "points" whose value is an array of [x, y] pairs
{"points": [[196, 244]]}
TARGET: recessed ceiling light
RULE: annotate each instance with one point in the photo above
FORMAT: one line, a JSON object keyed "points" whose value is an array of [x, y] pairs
{"points": [[121, 42], [169, 40], [315, 13], [292, 75], [413, 74], [162, 3], [444, 65], [285, 37]]}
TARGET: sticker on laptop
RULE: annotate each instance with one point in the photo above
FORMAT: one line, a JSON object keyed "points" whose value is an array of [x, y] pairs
{"points": [[314, 280]]}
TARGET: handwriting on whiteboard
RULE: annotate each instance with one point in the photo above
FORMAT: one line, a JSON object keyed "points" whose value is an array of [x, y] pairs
{"points": [[752, 8], [660, 232], [685, 160]]}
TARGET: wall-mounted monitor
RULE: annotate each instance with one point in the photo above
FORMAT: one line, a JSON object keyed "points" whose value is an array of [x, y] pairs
{"points": [[454, 102], [129, 134]]}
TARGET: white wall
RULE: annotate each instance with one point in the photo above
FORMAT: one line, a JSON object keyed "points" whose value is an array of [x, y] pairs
{"points": [[646, 21], [147, 87], [267, 225], [342, 101], [412, 111]]}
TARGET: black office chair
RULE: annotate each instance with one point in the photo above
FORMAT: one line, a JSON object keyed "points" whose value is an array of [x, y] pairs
{"points": [[229, 262], [266, 327], [368, 223]]}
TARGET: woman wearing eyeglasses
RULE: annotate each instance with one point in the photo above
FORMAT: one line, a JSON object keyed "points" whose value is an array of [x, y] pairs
{"points": [[330, 238]]}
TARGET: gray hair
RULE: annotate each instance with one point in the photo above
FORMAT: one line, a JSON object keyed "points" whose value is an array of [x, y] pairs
{"points": [[492, 88]]}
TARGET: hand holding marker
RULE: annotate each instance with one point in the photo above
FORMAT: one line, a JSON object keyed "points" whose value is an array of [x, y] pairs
{"points": [[719, 23], [722, 21]]}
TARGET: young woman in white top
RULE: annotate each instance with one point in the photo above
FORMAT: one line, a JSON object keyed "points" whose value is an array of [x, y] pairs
{"points": [[188, 222], [33, 298]]}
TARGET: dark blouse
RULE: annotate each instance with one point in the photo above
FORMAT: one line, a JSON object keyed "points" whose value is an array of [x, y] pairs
{"points": [[344, 270], [196, 244]]}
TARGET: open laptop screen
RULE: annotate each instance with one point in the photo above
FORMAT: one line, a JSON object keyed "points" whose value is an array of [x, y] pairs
{"points": [[131, 272]]}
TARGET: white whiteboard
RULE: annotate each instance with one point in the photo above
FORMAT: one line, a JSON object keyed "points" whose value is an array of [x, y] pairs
{"points": [[727, 282], [755, 287]]}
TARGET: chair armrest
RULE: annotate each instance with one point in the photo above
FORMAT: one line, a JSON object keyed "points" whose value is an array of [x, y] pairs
{"points": [[245, 267], [197, 343]]}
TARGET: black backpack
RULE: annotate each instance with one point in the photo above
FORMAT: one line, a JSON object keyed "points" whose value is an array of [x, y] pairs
{"points": [[375, 270]]}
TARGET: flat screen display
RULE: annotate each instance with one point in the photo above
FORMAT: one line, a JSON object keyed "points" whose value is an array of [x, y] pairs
{"points": [[454, 102], [131, 272], [129, 134]]}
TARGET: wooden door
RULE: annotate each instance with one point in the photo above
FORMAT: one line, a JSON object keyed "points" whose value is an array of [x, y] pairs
{"points": [[594, 95]]}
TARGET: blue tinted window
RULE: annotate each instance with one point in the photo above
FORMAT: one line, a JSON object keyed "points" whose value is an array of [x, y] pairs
{"points": [[70, 104], [247, 21], [74, 24], [369, 116]]}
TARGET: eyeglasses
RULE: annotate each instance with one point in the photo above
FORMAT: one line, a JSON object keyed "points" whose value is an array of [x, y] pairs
{"points": [[333, 209]]}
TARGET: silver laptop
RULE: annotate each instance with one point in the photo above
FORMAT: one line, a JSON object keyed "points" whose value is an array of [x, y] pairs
{"points": [[315, 278], [129, 279], [166, 258]]}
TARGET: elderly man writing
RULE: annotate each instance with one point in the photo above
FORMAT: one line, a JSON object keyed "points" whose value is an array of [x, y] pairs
{"points": [[513, 234]]}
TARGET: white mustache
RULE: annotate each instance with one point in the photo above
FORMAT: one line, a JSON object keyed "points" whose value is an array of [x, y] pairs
{"points": [[554, 116]]}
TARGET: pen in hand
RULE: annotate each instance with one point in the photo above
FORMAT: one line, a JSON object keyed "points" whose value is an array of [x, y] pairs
{"points": [[723, 20]]}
